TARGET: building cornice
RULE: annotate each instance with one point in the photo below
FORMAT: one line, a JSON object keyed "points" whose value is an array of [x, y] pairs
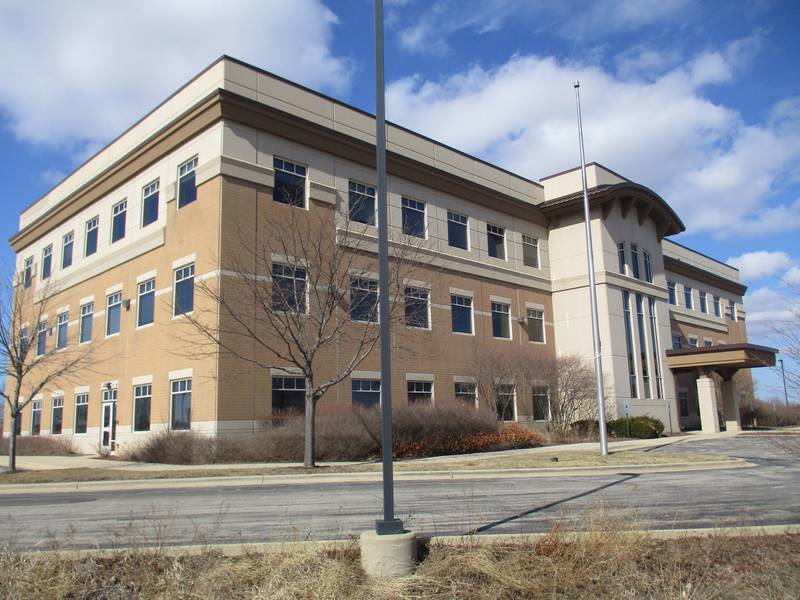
{"points": [[680, 267]]}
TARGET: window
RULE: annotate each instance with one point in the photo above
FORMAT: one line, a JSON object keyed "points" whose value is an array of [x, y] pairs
{"points": [[671, 289], [184, 291], [288, 289], [496, 240], [461, 313], [635, 260], [363, 300], [67, 243], [142, 396], [146, 303], [416, 308], [290, 183], [420, 392], [288, 395], [366, 393], [23, 341], [683, 401], [187, 190], [81, 412], [692, 341], [626, 302], [457, 227], [150, 205], [732, 309], [87, 315], [62, 323], [651, 302], [41, 339], [36, 417], [90, 246], [466, 393], [361, 203], [717, 307], [642, 345], [621, 257], [501, 326], [648, 267], [535, 325], [505, 395], [27, 272], [530, 251], [708, 343], [113, 313], [687, 297], [118, 216], [703, 303], [57, 418], [677, 341], [541, 402], [47, 261], [413, 218], [181, 404]]}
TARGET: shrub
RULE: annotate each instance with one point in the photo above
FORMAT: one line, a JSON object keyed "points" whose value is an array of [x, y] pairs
{"points": [[34, 445], [585, 428], [759, 413], [636, 427]]}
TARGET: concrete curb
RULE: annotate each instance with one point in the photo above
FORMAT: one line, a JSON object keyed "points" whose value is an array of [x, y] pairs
{"points": [[364, 477]]}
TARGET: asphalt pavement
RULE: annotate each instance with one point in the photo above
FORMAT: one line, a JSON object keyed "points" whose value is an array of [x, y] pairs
{"points": [[766, 494]]}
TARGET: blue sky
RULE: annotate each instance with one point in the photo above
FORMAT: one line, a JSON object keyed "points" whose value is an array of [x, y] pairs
{"points": [[699, 101]]}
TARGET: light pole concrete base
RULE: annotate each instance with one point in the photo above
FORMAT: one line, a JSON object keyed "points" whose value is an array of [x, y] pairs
{"points": [[388, 555]]}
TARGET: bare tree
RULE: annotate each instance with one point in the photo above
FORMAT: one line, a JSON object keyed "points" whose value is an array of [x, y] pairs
{"points": [[494, 371], [786, 333], [29, 363], [300, 287]]}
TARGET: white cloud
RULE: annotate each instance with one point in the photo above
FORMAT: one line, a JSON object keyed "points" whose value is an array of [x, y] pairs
{"points": [[642, 61], [766, 310], [755, 265], [80, 73], [716, 170], [792, 277]]}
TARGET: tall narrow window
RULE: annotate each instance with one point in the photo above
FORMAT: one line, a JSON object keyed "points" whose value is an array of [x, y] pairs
{"points": [[41, 339], [501, 325], [621, 257], [461, 313], [420, 392], [288, 395], [635, 260], [505, 399], [413, 217], [113, 313], [290, 183], [496, 241], [717, 306], [118, 216], [23, 341], [67, 243], [150, 203], [363, 300], [181, 404], [530, 251], [81, 412], [535, 325], [142, 397], [146, 303], [361, 203], [467, 393], [57, 417], [366, 393], [651, 302], [643, 345], [87, 316], [90, 247], [184, 291], [732, 310], [27, 272], [288, 289], [416, 307], [36, 417], [671, 289], [703, 303], [626, 301], [457, 230], [677, 341], [187, 188], [62, 323], [687, 297], [541, 402], [648, 267], [47, 261]]}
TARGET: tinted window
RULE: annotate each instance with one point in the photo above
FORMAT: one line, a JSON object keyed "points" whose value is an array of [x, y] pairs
{"points": [[150, 203], [416, 307], [363, 300], [413, 218], [146, 303], [457, 230], [181, 404], [290, 183], [361, 203], [187, 191], [366, 393], [288, 394], [184, 290], [496, 241], [461, 312], [118, 217]]}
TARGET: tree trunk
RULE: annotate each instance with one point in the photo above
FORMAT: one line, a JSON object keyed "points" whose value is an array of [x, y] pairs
{"points": [[308, 454], [12, 444]]}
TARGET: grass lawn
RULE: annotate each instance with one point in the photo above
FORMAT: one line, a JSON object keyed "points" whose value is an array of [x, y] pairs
{"points": [[566, 459]]}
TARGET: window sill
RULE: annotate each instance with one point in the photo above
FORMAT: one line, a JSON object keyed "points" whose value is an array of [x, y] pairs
{"points": [[542, 343], [503, 339], [413, 328], [182, 316], [112, 335], [145, 326], [463, 333]]}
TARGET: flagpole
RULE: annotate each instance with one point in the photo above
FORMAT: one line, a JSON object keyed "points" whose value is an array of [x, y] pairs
{"points": [[598, 366]]}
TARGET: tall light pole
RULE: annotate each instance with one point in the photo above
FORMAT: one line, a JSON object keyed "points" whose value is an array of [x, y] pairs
{"points": [[783, 374], [598, 365], [389, 524]]}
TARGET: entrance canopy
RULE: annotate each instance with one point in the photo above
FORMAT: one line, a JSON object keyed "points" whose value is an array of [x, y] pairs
{"points": [[724, 358]]}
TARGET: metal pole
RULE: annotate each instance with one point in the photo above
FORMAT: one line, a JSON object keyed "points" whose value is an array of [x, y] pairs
{"points": [[783, 374], [389, 524], [598, 366]]}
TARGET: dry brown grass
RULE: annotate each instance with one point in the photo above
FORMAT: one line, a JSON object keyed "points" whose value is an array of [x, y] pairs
{"points": [[34, 445], [610, 561]]}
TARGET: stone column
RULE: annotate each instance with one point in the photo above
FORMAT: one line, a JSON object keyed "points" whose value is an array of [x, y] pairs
{"points": [[707, 400], [730, 405]]}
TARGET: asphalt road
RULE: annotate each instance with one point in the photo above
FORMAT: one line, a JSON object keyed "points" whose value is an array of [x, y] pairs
{"points": [[764, 495]]}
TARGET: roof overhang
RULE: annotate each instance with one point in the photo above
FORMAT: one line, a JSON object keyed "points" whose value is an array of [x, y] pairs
{"points": [[676, 265], [632, 197], [724, 358]]}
